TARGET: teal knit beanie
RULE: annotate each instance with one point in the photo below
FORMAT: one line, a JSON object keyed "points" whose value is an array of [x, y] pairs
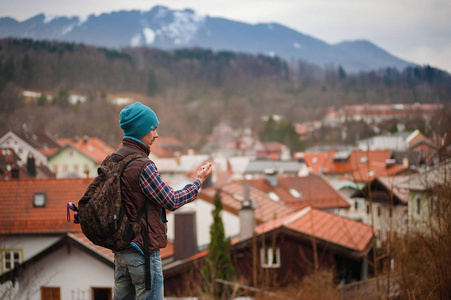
{"points": [[137, 120]]}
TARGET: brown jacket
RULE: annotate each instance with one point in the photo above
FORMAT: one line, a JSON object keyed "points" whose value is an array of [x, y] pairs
{"points": [[134, 198]]}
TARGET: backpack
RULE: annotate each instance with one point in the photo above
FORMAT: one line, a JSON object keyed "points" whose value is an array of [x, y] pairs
{"points": [[101, 212]]}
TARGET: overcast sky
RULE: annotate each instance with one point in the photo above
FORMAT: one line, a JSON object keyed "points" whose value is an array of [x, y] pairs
{"points": [[418, 31]]}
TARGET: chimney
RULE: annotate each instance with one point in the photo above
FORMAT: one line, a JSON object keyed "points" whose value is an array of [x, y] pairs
{"points": [[15, 173], [271, 177], [246, 215], [31, 165], [185, 237], [405, 162]]}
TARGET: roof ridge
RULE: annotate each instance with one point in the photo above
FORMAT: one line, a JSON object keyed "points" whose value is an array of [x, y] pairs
{"points": [[297, 215]]}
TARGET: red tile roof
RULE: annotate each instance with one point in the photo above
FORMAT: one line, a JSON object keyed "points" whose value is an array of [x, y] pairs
{"points": [[94, 148], [20, 216], [324, 226], [363, 166], [167, 147], [232, 195], [367, 165], [315, 161], [311, 190], [330, 166]]}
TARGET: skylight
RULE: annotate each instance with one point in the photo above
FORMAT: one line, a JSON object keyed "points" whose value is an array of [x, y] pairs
{"points": [[295, 193], [273, 196]]}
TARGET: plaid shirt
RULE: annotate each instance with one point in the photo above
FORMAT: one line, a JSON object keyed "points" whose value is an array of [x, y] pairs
{"points": [[156, 189]]}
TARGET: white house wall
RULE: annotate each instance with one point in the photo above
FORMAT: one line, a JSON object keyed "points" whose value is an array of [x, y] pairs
{"points": [[29, 246], [74, 271], [204, 220], [22, 149]]}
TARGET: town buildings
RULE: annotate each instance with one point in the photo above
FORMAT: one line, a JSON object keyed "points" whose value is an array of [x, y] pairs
{"points": [[282, 215]]}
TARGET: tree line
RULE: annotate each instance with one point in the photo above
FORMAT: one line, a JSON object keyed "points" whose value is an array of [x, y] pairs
{"points": [[193, 90]]}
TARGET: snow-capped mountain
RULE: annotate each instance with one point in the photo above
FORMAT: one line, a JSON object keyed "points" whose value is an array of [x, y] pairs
{"points": [[164, 28]]}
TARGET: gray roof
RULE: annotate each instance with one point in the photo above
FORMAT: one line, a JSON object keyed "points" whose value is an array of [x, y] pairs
{"points": [[280, 166], [429, 179]]}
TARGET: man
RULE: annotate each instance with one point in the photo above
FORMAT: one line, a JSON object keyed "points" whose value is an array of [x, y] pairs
{"points": [[142, 183]]}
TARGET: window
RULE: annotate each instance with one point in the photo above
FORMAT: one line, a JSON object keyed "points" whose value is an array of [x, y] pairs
{"points": [[50, 293], [102, 293], [418, 205], [75, 168], [70, 153], [270, 257], [11, 258], [378, 211], [356, 205], [65, 169], [367, 209], [39, 200], [55, 169]]}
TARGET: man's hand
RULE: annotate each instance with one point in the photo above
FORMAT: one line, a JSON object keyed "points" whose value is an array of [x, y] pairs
{"points": [[204, 171]]}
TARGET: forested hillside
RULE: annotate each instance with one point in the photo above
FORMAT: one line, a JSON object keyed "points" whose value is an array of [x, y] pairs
{"points": [[192, 90]]}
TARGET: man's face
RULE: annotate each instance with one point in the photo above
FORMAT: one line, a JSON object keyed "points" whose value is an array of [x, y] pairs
{"points": [[149, 138]]}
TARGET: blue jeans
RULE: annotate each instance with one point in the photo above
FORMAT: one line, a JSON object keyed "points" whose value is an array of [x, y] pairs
{"points": [[129, 278]]}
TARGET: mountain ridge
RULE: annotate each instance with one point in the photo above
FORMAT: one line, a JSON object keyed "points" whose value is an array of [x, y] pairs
{"points": [[163, 28]]}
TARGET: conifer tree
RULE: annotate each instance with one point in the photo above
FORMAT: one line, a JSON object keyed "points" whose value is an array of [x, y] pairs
{"points": [[218, 264]]}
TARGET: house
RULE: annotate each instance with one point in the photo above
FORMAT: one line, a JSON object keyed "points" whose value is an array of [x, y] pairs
{"points": [[429, 193], [385, 205], [11, 168], [367, 165], [42, 253], [376, 113], [361, 166], [40, 249], [79, 157], [232, 195], [26, 145], [282, 250], [301, 191], [274, 151], [8, 160], [395, 142]]}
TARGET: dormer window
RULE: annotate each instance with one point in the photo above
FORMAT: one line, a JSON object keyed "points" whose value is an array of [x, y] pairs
{"points": [[39, 200]]}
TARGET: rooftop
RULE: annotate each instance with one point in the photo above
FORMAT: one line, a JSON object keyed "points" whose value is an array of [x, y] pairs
{"points": [[301, 191], [32, 206], [325, 226]]}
